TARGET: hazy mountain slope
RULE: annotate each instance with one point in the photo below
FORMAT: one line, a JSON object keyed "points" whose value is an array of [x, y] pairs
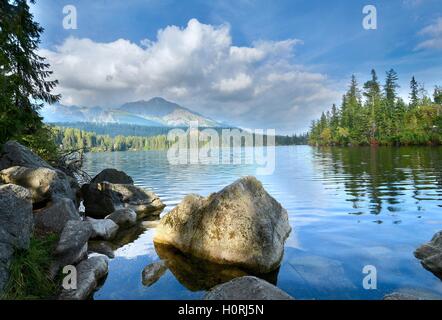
{"points": [[155, 112]]}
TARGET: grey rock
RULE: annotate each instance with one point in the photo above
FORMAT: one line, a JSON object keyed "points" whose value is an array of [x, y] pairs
{"points": [[72, 246], [247, 288], [102, 199], [112, 176], [15, 154], [240, 225], [54, 217], [104, 229], [99, 200], [16, 225], [123, 217], [430, 255], [16, 220], [89, 273], [153, 272], [44, 183]]}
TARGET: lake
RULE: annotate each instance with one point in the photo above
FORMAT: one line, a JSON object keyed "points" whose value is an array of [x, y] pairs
{"points": [[348, 207]]}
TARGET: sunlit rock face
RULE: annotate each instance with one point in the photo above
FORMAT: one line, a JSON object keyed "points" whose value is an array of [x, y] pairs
{"points": [[45, 184], [241, 225]]}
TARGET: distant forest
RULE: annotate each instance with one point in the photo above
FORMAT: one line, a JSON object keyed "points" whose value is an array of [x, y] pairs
{"points": [[376, 115], [94, 137]]}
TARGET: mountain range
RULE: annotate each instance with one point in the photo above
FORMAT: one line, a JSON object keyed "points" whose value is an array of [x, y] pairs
{"points": [[157, 112]]}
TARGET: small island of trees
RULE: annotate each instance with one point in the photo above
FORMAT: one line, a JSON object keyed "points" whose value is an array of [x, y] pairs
{"points": [[377, 116]]}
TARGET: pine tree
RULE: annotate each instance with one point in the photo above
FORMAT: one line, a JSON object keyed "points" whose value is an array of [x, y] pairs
{"points": [[23, 75], [414, 93], [437, 95], [372, 93], [390, 87]]}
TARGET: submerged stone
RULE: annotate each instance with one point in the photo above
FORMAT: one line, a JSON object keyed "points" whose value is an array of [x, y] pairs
{"points": [[247, 288]]}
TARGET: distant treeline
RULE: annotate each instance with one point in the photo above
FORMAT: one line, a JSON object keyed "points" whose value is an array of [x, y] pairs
{"points": [[115, 129], [74, 138], [376, 115]]}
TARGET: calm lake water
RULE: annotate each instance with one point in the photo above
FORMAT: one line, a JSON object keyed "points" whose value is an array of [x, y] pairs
{"points": [[348, 207]]}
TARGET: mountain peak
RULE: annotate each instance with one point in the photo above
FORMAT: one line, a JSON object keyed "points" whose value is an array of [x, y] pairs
{"points": [[154, 112]]}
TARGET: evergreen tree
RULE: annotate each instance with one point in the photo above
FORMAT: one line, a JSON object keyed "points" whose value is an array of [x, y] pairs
{"points": [[372, 93], [437, 95], [380, 120], [23, 77], [390, 88], [414, 92]]}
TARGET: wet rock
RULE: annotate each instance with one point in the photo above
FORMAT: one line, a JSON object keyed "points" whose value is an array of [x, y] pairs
{"points": [[240, 225], [104, 229], [101, 247], [44, 183], [123, 217], [112, 176], [54, 217], [430, 255], [153, 272], [102, 199], [14, 154], [16, 225], [89, 274], [72, 246], [247, 288]]}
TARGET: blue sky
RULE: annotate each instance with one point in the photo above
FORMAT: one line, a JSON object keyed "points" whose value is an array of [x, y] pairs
{"points": [[328, 44]]}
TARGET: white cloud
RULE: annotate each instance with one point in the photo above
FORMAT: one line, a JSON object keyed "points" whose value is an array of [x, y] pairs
{"points": [[434, 34], [198, 67], [240, 82]]}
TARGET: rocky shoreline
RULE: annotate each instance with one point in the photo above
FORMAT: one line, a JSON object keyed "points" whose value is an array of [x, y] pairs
{"points": [[241, 229], [36, 198]]}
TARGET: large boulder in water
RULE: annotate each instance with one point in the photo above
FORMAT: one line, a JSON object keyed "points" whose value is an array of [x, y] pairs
{"points": [[45, 184], [430, 254], [240, 225], [14, 154], [112, 176], [102, 199], [247, 288], [16, 224]]}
